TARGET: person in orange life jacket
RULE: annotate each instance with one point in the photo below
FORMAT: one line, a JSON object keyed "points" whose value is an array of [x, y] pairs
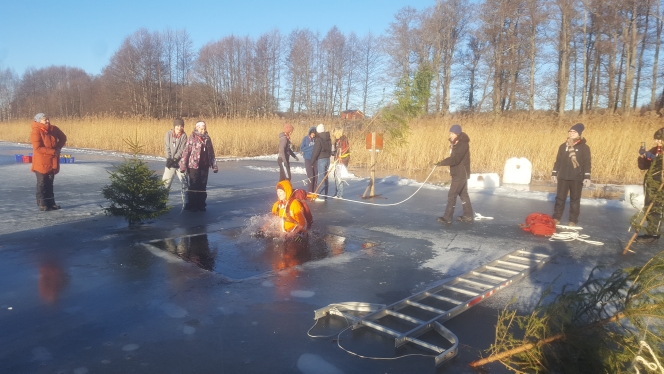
{"points": [[322, 152], [174, 143], [341, 157], [293, 222], [651, 160], [571, 172], [197, 160], [285, 152], [310, 165], [459, 163], [47, 142]]}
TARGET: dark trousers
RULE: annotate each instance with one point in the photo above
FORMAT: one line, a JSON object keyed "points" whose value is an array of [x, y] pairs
{"points": [[312, 169], [284, 169], [197, 188], [574, 189], [459, 187], [45, 195]]}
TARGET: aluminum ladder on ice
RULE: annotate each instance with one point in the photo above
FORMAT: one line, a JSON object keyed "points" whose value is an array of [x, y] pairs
{"points": [[441, 302]]}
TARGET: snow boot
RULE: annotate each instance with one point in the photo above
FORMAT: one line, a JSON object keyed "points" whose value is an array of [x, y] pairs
{"points": [[444, 220], [465, 219], [647, 239]]}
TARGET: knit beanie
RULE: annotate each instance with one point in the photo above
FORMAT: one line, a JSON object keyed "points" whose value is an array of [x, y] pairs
{"points": [[39, 117], [320, 128], [200, 124], [178, 122], [288, 128], [659, 134], [456, 129], [578, 128]]}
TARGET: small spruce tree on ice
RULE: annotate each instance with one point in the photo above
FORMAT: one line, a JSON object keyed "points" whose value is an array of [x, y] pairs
{"points": [[135, 192]]}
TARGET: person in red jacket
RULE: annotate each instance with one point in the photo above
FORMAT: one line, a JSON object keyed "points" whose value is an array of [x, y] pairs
{"points": [[47, 141]]}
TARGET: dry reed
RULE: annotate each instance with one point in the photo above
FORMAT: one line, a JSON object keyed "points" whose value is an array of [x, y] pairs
{"points": [[614, 140]]}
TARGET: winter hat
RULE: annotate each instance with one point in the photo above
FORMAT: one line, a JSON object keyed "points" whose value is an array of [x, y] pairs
{"points": [[39, 117], [200, 124], [578, 128], [659, 134], [320, 128], [456, 129], [288, 128], [311, 130], [178, 122]]}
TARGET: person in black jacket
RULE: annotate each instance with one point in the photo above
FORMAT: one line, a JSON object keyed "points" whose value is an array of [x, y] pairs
{"points": [[651, 160], [284, 153], [459, 163], [322, 152], [571, 172]]}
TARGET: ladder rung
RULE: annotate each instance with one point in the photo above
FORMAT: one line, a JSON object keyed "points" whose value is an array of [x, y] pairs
{"points": [[477, 283], [508, 271], [426, 307], [482, 275], [461, 290], [521, 258], [444, 298], [515, 264], [426, 345], [405, 317], [534, 253], [379, 327]]}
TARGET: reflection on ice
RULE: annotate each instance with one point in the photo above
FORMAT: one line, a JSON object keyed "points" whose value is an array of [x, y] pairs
{"points": [[238, 254]]}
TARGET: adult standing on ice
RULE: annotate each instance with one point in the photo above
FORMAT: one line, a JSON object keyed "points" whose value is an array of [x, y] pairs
{"points": [[307, 149], [197, 160], [651, 160], [47, 141], [459, 163], [571, 172], [285, 151], [174, 143], [322, 152]]}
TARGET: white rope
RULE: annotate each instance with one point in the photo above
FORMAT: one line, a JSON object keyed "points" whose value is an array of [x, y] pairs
{"points": [[652, 366], [569, 236], [392, 204], [338, 339]]}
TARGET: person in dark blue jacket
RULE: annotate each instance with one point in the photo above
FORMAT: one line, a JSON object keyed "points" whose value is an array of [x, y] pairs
{"points": [[310, 165]]}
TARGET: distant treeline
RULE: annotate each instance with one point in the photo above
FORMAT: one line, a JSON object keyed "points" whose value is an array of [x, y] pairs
{"points": [[493, 56]]}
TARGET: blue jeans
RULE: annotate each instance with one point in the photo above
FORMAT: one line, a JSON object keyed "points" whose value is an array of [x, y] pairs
{"points": [[323, 166]]}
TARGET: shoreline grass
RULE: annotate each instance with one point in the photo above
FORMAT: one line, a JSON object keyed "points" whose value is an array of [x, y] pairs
{"points": [[614, 140]]}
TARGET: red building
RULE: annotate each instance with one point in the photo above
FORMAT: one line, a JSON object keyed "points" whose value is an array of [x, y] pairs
{"points": [[352, 114]]}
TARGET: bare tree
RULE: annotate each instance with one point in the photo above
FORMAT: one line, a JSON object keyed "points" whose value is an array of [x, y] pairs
{"points": [[8, 86]]}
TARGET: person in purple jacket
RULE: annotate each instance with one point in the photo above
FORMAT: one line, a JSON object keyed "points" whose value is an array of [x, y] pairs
{"points": [[197, 160]]}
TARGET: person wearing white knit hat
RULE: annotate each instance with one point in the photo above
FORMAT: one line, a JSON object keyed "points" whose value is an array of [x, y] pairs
{"points": [[322, 152], [197, 159]]}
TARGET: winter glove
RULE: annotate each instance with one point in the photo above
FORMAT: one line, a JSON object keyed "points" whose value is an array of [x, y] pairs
{"points": [[215, 169], [439, 163], [650, 156], [554, 179], [169, 163], [296, 159], [176, 162], [642, 151], [586, 183]]}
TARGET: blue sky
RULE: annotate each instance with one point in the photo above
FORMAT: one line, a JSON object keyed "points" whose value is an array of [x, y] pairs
{"points": [[85, 34]]}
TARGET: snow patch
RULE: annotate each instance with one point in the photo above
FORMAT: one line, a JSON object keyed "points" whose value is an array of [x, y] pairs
{"points": [[302, 293]]}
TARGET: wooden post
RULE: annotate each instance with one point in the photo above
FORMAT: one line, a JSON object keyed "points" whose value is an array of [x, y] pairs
{"points": [[370, 187]]}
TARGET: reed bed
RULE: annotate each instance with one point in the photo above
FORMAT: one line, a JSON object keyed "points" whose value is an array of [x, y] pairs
{"points": [[614, 140]]}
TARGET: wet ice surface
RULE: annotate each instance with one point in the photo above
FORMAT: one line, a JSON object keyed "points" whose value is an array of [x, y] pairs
{"points": [[81, 292], [237, 255]]}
